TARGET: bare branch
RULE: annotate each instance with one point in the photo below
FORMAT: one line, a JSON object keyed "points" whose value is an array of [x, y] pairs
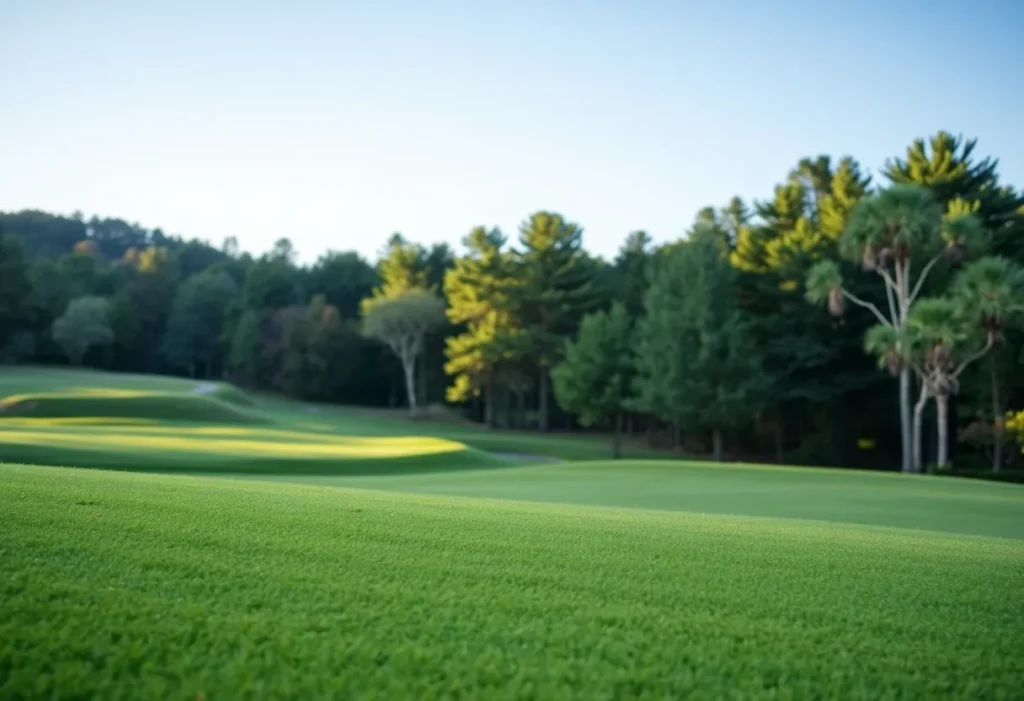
{"points": [[920, 280], [988, 345], [867, 305]]}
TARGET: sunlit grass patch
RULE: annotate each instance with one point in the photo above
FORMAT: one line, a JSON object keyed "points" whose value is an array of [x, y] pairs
{"points": [[215, 440]]}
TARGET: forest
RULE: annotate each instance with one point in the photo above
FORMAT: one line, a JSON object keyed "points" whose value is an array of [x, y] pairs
{"points": [[853, 318]]}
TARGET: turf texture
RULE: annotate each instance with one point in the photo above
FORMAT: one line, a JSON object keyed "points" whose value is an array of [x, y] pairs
{"points": [[121, 585]]}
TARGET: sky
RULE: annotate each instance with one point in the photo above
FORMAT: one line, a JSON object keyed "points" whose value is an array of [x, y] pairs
{"points": [[338, 123]]}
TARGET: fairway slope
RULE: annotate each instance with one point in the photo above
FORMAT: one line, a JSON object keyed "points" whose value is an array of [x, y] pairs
{"points": [[144, 586], [102, 402], [846, 496], [221, 449], [92, 419]]}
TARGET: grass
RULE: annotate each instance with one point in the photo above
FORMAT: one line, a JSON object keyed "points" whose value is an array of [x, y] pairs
{"points": [[121, 585], [95, 419], [882, 499], [353, 555]]}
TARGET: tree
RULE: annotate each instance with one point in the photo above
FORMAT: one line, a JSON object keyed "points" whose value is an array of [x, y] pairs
{"points": [[15, 288], [401, 268], [401, 322], [947, 165], [943, 336], [816, 366], [696, 363], [479, 288], [632, 271], [557, 290], [270, 282], [345, 279], [891, 233], [594, 380], [197, 316], [85, 324], [245, 348]]}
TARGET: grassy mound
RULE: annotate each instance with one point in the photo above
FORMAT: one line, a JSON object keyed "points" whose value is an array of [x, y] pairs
{"points": [[151, 447], [142, 586], [104, 402], [847, 496]]}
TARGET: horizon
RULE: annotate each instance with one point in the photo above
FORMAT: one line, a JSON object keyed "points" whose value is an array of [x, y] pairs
{"points": [[338, 126]]}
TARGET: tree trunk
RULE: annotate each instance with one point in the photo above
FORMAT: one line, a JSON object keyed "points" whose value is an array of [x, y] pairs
{"points": [[542, 410], [942, 406], [489, 403], [422, 397], [629, 426], [905, 421], [716, 442], [997, 422], [410, 383], [779, 440], [918, 428], [617, 438]]}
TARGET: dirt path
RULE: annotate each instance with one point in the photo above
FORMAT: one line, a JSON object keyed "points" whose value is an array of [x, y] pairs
{"points": [[527, 457]]}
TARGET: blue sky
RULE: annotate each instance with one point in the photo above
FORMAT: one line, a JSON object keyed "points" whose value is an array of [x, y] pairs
{"points": [[337, 123]]}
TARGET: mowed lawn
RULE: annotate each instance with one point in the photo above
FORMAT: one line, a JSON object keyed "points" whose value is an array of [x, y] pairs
{"points": [[945, 504], [138, 422], [121, 585], [353, 555]]}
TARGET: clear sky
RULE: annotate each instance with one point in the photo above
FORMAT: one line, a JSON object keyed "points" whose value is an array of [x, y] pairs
{"points": [[337, 123]]}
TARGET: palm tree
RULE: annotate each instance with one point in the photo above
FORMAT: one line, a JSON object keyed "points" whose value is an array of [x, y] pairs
{"points": [[891, 233], [945, 335]]}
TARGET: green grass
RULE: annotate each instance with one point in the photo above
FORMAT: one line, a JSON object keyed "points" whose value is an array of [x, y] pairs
{"points": [[881, 499], [96, 419], [120, 585], [353, 555], [121, 403]]}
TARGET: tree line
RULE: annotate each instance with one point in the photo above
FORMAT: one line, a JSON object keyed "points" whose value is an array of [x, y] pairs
{"points": [[847, 319]]}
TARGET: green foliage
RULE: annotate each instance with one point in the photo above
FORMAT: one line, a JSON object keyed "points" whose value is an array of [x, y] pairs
{"points": [[85, 324], [991, 292], [557, 289], [15, 288], [594, 380], [822, 280], [946, 165], [270, 283], [194, 328], [697, 365], [902, 220], [402, 322], [401, 268], [632, 269], [481, 288], [510, 313], [245, 348], [344, 279], [321, 351]]}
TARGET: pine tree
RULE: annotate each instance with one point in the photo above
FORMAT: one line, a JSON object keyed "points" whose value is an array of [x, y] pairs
{"points": [[479, 289], [632, 274], [594, 380], [557, 289], [812, 361], [696, 362]]}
